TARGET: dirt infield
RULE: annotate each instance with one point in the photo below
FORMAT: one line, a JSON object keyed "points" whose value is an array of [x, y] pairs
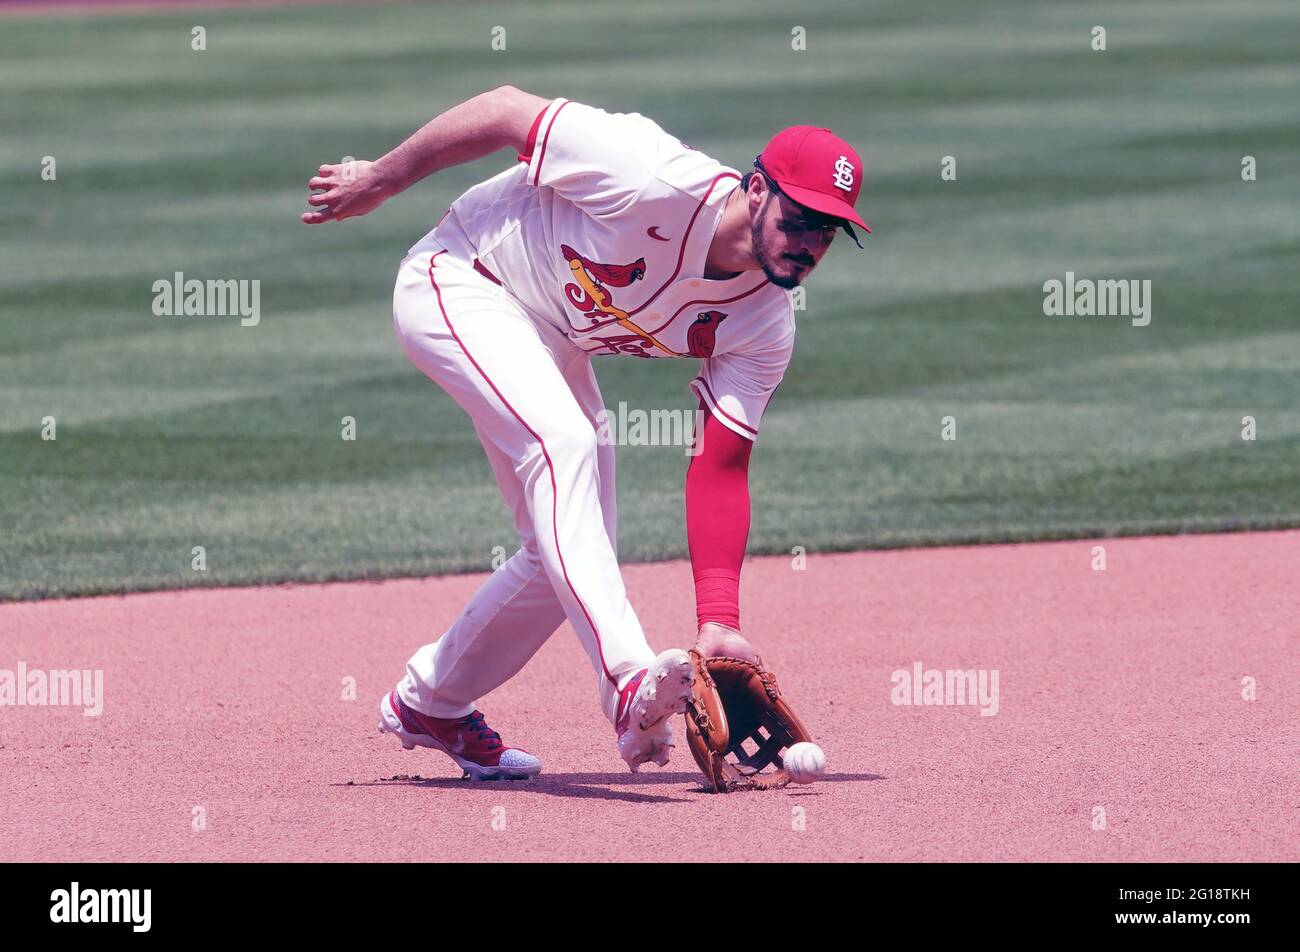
{"points": [[225, 735]]}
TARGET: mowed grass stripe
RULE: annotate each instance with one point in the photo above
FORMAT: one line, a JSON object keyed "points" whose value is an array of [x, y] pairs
{"points": [[177, 432]]}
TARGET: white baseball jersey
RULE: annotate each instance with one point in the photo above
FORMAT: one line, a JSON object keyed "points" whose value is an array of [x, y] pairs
{"points": [[603, 232]]}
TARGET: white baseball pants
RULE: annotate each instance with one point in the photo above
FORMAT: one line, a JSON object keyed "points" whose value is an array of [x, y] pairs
{"points": [[533, 400]]}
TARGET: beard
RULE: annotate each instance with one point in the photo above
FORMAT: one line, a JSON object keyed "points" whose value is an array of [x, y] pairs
{"points": [[763, 256]]}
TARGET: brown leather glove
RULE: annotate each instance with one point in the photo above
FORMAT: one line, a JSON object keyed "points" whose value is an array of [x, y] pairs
{"points": [[737, 703]]}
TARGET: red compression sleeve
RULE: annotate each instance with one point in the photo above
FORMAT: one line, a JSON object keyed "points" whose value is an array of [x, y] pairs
{"points": [[717, 520]]}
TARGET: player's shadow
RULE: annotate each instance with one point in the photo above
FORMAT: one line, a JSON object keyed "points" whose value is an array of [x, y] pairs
{"points": [[586, 786], [595, 786]]}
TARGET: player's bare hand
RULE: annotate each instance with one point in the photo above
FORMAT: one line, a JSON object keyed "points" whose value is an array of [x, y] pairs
{"points": [[345, 191], [720, 641]]}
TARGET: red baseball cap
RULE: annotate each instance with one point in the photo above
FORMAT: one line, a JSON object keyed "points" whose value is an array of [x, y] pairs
{"points": [[817, 169]]}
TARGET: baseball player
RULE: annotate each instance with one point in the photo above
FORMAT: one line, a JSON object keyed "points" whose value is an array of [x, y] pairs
{"points": [[608, 236]]}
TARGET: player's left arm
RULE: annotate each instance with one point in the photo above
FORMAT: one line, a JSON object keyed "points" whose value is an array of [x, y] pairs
{"points": [[735, 389], [717, 530]]}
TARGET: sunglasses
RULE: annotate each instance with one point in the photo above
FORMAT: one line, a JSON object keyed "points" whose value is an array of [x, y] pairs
{"points": [[802, 224], [806, 221]]}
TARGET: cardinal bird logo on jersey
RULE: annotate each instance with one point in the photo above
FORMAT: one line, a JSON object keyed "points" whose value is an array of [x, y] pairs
{"points": [[592, 296], [614, 275], [700, 336], [591, 292]]}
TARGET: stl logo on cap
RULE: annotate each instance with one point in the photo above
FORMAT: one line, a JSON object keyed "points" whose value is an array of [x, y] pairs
{"points": [[797, 159], [844, 174]]}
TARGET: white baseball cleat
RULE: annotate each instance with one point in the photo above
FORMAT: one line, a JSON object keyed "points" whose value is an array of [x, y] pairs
{"points": [[646, 704], [638, 747]]}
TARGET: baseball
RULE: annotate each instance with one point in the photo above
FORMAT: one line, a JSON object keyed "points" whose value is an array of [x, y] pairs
{"points": [[805, 762]]}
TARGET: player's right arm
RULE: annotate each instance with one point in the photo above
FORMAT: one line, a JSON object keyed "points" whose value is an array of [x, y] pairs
{"points": [[498, 119]]}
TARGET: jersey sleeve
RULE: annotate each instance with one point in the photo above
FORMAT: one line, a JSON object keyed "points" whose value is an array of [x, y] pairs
{"points": [[737, 387], [597, 160]]}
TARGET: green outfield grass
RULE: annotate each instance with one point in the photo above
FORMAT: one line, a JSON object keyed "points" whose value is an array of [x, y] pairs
{"points": [[177, 432]]}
